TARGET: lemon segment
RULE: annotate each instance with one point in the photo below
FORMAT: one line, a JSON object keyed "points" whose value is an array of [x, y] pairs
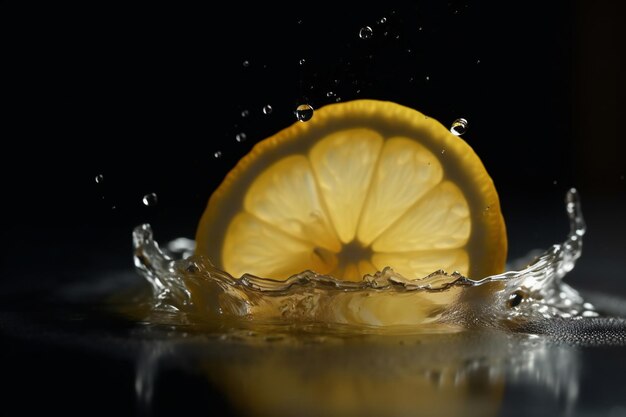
{"points": [[284, 257], [440, 220], [344, 163], [405, 172], [285, 196]]}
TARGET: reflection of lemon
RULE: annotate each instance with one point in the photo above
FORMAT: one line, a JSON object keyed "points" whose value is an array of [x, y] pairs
{"points": [[363, 185]]}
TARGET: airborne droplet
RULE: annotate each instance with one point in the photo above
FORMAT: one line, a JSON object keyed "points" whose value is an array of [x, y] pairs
{"points": [[99, 178], [149, 200], [459, 127], [217, 154], [366, 32], [267, 109], [240, 137], [304, 112]]}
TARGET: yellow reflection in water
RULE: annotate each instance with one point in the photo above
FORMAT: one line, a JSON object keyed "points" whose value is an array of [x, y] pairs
{"points": [[419, 376]]}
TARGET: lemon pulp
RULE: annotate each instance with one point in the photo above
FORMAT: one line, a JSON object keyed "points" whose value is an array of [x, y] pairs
{"points": [[363, 185]]}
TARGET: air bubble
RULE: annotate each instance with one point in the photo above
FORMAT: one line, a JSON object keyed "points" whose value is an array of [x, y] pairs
{"points": [[267, 109], [304, 112], [240, 137], [149, 200], [366, 32], [459, 127]]}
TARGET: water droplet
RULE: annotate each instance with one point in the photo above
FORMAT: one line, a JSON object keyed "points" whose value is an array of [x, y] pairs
{"points": [[443, 151], [427, 78], [245, 113], [240, 137], [300, 21], [478, 61], [267, 109], [420, 28], [621, 177], [149, 200], [217, 154], [555, 182], [397, 37], [330, 94], [382, 20], [408, 51], [113, 207], [246, 64], [304, 112], [358, 91], [337, 100], [366, 32], [99, 178], [459, 127], [302, 61]]}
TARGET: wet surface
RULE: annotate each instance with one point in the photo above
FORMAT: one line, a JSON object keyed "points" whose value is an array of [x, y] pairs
{"points": [[77, 357]]}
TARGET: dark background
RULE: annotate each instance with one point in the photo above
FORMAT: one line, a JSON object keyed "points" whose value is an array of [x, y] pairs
{"points": [[146, 94]]}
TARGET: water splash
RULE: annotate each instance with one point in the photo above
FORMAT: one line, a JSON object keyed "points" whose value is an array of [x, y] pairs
{"points": [[196, 290]]}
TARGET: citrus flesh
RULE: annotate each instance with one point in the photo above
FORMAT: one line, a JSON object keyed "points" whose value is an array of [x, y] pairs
{"points": [[363, 185]]}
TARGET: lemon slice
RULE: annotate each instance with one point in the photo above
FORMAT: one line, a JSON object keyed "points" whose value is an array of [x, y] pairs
{"points": [[363, 185]]}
